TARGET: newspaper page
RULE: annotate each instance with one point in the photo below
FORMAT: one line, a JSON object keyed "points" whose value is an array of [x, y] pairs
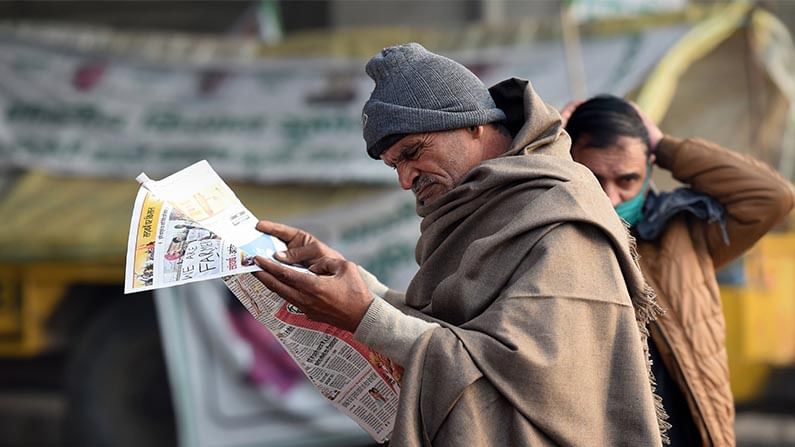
{"points": [[360, 382], [201, 195], [165, 248]]}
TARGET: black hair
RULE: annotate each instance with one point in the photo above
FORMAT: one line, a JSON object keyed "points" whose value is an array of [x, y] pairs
{"points": [[603, 119], [502, 129]]}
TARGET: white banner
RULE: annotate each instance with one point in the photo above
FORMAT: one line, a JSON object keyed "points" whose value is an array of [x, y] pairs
{"points": [[595, 9], [270, 121]]}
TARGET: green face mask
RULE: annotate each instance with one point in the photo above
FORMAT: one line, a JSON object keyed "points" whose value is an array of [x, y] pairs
{"points": [[632, 210]]}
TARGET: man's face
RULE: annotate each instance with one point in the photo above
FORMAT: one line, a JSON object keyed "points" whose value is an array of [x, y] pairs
{"points": [[620, 168], [431, 164]]}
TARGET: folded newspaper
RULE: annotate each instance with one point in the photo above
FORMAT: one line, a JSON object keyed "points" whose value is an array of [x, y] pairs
{"points": [[190, 227]]}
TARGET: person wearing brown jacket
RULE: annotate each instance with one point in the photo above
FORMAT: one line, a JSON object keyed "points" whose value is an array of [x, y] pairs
{"points": [[731, 200]]}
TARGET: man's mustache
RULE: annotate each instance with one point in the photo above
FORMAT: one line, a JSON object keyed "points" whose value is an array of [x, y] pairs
{"points": [[421, 182]]}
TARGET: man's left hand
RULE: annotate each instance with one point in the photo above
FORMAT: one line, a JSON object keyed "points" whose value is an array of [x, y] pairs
{"points": [[336, 294], [655, 134]]}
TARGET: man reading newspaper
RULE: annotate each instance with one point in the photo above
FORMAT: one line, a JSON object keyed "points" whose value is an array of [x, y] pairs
{"points": [[526, 322]]}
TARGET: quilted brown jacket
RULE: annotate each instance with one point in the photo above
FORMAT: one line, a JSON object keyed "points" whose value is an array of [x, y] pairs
{"points": [[681, 264]]}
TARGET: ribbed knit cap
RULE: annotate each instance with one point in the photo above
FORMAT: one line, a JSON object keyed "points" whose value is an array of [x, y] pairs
{"points": [[419, 91]]}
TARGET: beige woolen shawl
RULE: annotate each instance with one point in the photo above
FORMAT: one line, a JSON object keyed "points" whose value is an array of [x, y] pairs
{"points": [[531, 276]]}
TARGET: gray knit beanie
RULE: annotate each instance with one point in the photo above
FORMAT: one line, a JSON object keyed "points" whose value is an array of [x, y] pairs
{"points": [[419, 91]]}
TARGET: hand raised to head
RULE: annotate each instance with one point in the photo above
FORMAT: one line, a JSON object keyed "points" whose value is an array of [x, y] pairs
{"points": [[302, 247], [568, 109], [655, 134]]}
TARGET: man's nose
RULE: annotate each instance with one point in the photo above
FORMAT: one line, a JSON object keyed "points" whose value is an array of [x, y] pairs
{"points": [[613, 194], [406, 176]]}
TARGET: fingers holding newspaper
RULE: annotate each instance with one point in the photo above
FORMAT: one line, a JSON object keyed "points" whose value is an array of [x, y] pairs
{"points": [[302, 247], [336, 294]]}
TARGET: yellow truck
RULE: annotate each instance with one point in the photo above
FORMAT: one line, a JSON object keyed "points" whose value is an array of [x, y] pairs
{"points": [[760, 321], [62, 254]]}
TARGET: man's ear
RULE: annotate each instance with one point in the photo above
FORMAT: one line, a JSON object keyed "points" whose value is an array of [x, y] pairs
{"points": [[476, 132], [574, 149]]}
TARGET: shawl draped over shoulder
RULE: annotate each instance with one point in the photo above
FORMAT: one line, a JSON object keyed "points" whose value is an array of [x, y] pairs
{"points": [[541, 305]]}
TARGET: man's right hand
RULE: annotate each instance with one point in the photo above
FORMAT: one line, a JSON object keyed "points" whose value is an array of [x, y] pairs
{"points": [[302, 247], [568, 109], [336, 294]]}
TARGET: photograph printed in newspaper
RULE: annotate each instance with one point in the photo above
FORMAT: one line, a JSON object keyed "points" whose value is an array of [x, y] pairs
{"points": [[165, 249]]}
